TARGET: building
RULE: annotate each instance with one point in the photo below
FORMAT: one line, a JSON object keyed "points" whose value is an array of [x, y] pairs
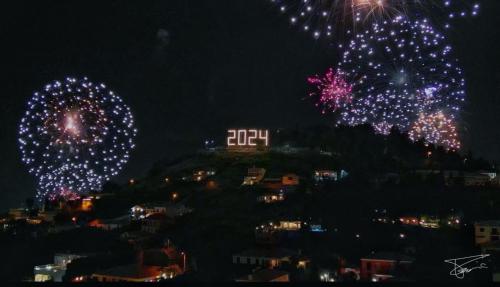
{"points": [[271, 197], [152, 266], [56, 271], [18, 213], [200, 175], [325, 175], [173, 210], [110, 224], [87, 204], [135, 237], [486, 232], [266, 275], [49, 273], [274, 232], [133, 273], [432, 222], [155, 222], [290, 179], [480, 179], [268, 258], [290, 225], [410, 220], [272, 183], [254, 176], [384, 266]]}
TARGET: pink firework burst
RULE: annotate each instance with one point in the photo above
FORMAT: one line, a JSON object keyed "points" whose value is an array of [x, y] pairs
{"points": [[332, 92]]}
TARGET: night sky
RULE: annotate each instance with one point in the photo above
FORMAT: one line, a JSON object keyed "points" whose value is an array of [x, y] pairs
{"points": [[189, 69]]}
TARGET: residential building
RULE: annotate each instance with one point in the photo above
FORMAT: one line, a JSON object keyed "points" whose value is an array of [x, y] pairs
{"points": [[325, 175], [56, 271], [290, 179], [384, 266], [173, 210], [155, 222], [87, 204], [132, 273], [266, 275], [269, 258], [254, 176], [18, 213], [271, 197], [152, 266], [487, 232], [110, 224]]}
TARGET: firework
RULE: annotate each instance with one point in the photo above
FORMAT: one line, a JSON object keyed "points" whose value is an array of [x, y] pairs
{"points": [[399, 69], [74, 136], [436, 129], [331, 17], [332, 91]]}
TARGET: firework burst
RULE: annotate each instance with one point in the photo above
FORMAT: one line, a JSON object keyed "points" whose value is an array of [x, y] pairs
{"points": [[75, 136], [399, 69], [436, 129], [326, 18], [331, 91]]}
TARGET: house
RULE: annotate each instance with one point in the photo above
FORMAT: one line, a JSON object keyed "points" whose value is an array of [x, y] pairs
{"points": [[49, 272], [486, 232], [131, 273], [410, 220], [87, 204], [430, 222], [152, 266], [479, 179], [325, 175], [173, 210], [47, 215], [272, 183], [254, 176], [18, 213], [199, 175], [271, 197], [269, 258], [155, 222], [110, 224], [135, 237], [266, 275], [272, 232], [290, 225], [290, 179], [56, 271], [267, 234], [384, 266]]}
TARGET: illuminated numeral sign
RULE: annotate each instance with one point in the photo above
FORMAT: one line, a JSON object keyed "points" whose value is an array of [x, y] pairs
{"points": [[247, 138]]}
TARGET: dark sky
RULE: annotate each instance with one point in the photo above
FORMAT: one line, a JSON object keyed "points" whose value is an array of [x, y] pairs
{"points": [[224, 63]]}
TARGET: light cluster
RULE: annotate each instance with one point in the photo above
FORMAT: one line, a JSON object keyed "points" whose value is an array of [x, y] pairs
{"points": [[331, 90], [399, 69], [436, 129], [326, 18], [75, 135]]}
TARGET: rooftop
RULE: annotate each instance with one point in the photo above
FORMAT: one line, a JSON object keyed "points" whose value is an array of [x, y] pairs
{"points": [[267, 253], [264, 275], [389, 256], [495, 223], [134, 271]]}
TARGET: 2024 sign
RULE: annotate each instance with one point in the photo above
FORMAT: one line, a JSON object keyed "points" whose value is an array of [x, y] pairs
{"points": [[247, 137]]}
